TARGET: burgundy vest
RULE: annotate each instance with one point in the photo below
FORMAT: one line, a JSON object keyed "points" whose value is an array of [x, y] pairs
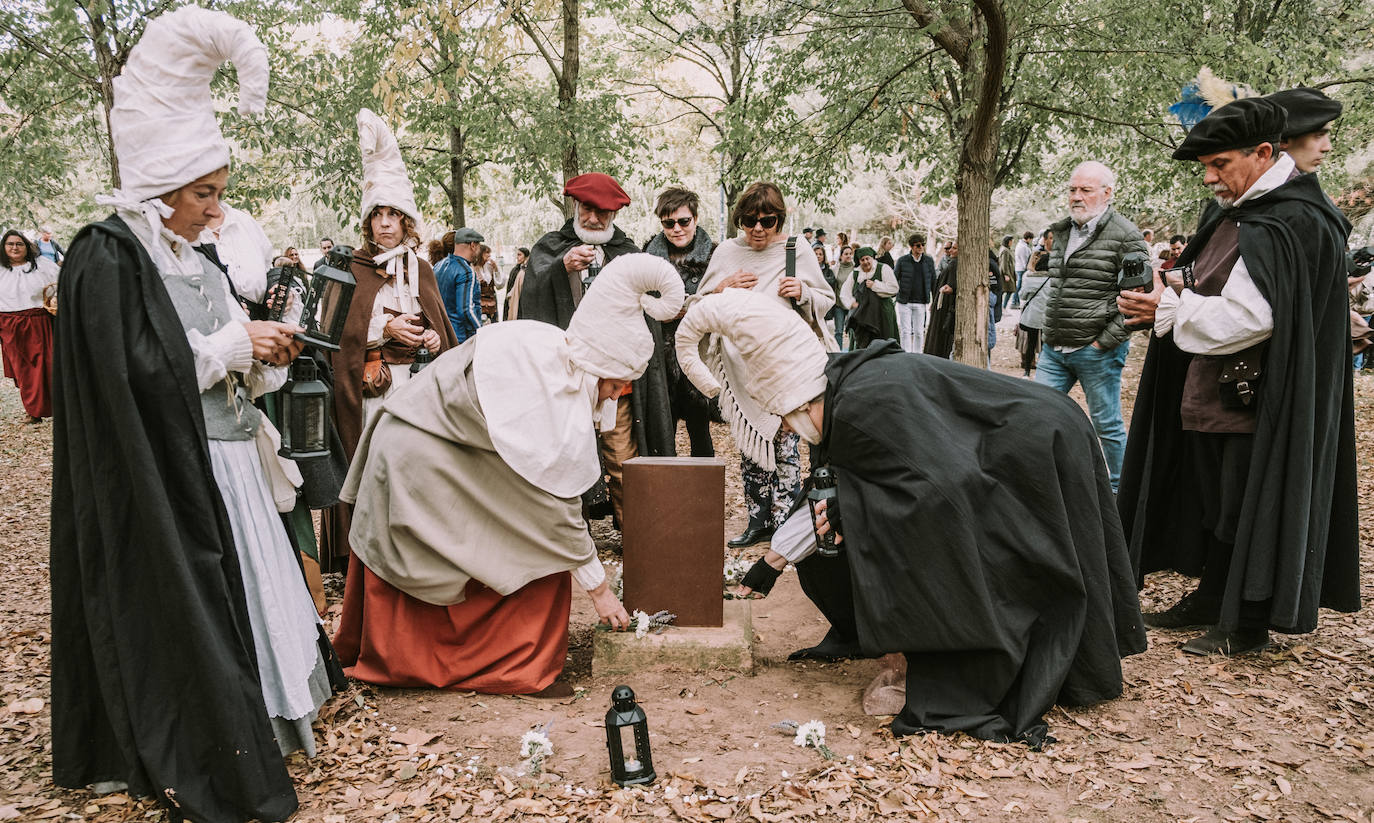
{"points": [[1201, 408]]}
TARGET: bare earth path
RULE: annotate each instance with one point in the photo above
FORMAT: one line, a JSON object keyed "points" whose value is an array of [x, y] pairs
{"points": [[1285, 735]]}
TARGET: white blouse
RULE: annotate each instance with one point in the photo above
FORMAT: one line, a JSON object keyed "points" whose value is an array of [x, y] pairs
{"points": [[218, 353], [21, 287]]}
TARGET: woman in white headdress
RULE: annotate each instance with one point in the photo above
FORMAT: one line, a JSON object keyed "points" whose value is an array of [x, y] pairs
{"points": [[186, 654], [468, 517], [396, 308]]}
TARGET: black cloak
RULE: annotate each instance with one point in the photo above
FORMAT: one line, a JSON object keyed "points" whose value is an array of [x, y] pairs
{"points": [[154, 676], [547, 296], [1002, 611], [1297, 536]]}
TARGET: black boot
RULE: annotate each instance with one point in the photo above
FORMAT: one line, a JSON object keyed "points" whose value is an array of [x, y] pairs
{"points": [[1237, 641], [1192, 610], [752, 534]]}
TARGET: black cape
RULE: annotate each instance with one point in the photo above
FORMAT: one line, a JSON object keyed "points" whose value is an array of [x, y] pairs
{"points": [[154, 676], [940, 334], [1297, 539], [547, 296], [874, 318], [1002, 610]]}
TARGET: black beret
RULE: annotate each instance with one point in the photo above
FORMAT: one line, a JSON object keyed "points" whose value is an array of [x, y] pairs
{"points": [[1308, 110], [1246, 122]]}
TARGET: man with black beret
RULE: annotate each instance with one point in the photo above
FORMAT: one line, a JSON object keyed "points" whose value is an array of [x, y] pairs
{"points": [[1311, 114], [1240, 467]]}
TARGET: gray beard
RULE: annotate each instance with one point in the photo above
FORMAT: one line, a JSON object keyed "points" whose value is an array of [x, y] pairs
{"points": [[594, 238]]}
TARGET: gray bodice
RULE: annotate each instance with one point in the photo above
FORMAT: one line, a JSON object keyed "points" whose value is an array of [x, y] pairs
{"points": [[202, 303]]}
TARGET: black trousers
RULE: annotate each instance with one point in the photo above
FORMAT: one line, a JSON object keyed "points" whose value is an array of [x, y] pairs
{"points": [[826, 581], [1221, 463]]}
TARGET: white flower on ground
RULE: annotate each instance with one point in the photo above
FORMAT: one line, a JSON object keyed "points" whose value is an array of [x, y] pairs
{"points": [[535, 744], [642, 623], [812, 733], [534, 747]]}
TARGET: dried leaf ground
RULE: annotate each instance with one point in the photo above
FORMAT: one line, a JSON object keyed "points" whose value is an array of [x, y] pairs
{"points": [[1285, 735]]}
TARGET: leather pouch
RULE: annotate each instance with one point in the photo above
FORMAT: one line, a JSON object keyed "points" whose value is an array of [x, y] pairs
{"points": [[376, 375], [1240, 376]]}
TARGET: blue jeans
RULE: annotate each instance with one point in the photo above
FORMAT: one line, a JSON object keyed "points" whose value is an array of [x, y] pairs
{"points": [[1099, 370], [1016, 295], [841, 314]]}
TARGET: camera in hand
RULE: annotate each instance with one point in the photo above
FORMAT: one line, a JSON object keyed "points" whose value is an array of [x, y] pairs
{"points": [[824, 489], [1136, 272], [1359, 261]]}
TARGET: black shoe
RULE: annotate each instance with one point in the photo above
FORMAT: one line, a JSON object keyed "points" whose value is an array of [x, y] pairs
{"points": [[831, 649], [1191, 611], [752, 535], [1240, 641]]}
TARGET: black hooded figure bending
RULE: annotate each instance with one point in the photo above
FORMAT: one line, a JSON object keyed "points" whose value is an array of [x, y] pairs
{"points": [[1001, 613], [1240, 465]]}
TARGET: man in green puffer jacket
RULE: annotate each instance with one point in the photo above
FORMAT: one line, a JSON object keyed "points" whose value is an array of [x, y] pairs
{"points": [[1085, 336]]}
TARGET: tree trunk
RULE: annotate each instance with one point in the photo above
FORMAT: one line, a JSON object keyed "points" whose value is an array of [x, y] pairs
{"points": [[981, 86], [567, 94], [457, 171], [108, 67], [732, 190]]}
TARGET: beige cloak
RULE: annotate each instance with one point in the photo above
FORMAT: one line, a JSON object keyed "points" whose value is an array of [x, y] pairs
{"points": [[436, 505]]}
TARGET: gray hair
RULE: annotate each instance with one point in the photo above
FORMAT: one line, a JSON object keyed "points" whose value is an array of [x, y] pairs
{"points": [[1097, 170]]}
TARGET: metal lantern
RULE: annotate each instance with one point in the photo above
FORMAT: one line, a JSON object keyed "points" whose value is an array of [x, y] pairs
{"points": [[423, 357], [329, 293], [627, 740], [290, 280], [304, 413]]}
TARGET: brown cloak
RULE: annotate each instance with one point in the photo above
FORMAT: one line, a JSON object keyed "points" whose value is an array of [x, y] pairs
{"points": [[347, 364]]}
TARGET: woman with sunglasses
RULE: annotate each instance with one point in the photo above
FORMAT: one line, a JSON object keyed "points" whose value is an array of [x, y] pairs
{"points": [[689, 250], [757, 260]]}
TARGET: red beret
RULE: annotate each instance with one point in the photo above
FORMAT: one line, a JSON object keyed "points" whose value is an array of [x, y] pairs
{"points": [[600, 191]]}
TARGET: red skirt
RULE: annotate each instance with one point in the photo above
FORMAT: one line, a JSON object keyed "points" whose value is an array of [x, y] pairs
{"points": [[488, 643], [26, 348]]}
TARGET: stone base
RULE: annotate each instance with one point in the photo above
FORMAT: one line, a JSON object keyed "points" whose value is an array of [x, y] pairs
{"points": [[729, 647]]}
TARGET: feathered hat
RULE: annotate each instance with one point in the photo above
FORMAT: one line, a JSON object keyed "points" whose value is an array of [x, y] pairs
{"points": [[607, 336], [385, 182], [163, 120], [1204, 93]]}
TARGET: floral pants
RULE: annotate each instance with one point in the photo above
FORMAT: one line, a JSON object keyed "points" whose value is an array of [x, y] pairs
{"points": [[769, 495]]}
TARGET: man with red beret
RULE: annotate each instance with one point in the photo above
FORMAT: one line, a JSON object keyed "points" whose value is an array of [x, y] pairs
{"points": [[562, 266]]}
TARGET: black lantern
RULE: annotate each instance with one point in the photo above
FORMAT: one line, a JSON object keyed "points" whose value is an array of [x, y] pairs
{"points": [[823, 489], [304, 413], [324, 295], [423, 357], [627, 740]]}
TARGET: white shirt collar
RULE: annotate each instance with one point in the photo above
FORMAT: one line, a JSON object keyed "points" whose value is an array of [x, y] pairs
{"points": [[1090, 226], [1276, 176]]}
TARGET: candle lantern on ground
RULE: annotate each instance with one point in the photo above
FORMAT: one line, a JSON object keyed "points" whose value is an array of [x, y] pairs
{"points": [[627, 740], [304, 412]]}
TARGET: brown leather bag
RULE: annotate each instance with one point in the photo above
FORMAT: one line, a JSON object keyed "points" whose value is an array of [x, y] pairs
{"points": [[376, 374]]}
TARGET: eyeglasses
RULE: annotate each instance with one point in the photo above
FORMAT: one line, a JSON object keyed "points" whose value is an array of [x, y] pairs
{"points": [[681, 222], [767, 221]]}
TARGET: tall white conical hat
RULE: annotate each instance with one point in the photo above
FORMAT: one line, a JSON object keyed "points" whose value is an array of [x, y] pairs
{"points": [[385, 182], [163, 121], [607, 336]]}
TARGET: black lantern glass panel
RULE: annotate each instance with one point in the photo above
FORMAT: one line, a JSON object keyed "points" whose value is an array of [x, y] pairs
{"points": [[304, 413], [627, 740], [327, 300]]}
